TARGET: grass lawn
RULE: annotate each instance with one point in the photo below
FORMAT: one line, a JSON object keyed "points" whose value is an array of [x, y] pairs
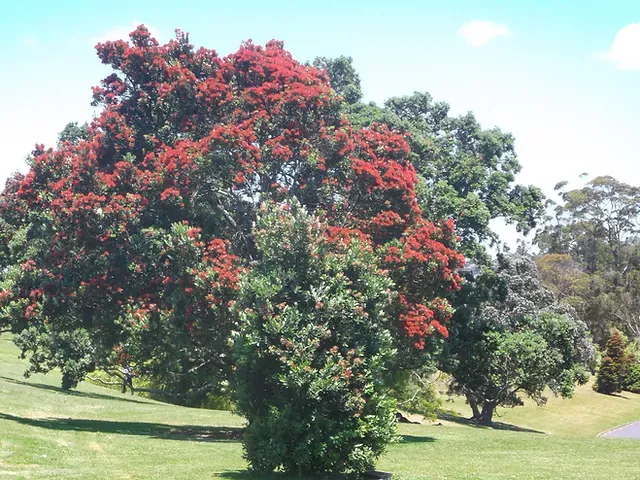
{"points": [[98, 433]]}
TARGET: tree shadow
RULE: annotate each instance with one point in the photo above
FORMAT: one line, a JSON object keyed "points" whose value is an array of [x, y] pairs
{"points": [[495, 425], [617, 395], [74, 393], [416, 439], [249, 475], [194, 433]]}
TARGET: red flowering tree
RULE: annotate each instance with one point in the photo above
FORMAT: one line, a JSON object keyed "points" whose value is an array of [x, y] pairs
{"points": [[131, 237]]}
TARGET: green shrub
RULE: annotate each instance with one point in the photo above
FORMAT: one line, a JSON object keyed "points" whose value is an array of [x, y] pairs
{"points": [[609, 375], [313, 350], [632, 380], [612, 371]]}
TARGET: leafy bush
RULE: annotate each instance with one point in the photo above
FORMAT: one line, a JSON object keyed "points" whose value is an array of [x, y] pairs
{"points": [[510, 338], [313, 349], [632, 380]]}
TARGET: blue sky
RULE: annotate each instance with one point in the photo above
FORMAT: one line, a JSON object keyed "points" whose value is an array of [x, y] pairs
{"points": [[562, 76]]}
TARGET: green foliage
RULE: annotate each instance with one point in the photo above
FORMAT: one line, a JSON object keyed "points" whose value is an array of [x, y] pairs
{"points": [[416, 392], [467, 172], [609, 376], [313, 350], [344, 78], [73, 133], [632, 379], [613, 368]]}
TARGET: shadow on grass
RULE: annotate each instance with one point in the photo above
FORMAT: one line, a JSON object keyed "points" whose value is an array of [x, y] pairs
{"points": [[495, 425], [75, 393], [194, 433], [248, 475], [416, 439], [617, 395]]}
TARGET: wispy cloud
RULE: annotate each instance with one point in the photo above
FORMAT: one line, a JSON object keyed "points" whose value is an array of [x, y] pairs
{"points": [[624, 52], [480, 32], [122, 33]]}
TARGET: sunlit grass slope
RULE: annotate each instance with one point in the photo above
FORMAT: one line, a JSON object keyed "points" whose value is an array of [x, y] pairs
{"points": [[96, 433]]}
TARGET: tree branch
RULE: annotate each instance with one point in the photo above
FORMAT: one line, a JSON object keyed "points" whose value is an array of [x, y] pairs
{"points": [[204, 389], [96, 379]]}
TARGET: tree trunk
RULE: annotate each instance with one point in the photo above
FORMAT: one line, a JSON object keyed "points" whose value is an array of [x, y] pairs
{"points": [[486, 417], [473, 403]]}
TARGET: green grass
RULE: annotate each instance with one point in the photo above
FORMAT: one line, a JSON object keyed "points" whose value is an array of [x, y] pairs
{"points": [[99, 433], [586, 414]]}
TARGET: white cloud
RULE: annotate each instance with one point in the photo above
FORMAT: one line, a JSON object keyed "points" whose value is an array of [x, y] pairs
{"points": [[624, 52], [122, 33], [29, 41], [480, 32]]}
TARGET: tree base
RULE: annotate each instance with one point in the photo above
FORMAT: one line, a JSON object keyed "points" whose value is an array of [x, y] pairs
{"points": [[377, 475]]}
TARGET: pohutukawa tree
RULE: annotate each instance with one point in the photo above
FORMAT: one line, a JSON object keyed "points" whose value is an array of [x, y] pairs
{"points": [[123, 245]]}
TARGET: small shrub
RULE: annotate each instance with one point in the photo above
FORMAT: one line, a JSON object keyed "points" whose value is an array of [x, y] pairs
{"points": [[609, 374], [612, 371], [632, 380]]}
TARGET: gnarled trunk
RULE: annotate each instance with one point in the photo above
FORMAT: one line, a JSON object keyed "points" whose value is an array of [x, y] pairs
{"points": [[486, 416]]}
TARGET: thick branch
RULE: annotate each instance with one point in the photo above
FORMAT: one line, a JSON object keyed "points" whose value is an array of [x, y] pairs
{"points": [[97, 379], [204, 389]]}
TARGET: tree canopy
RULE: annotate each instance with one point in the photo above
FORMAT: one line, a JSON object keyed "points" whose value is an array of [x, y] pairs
{"points": [[465, 172], [124, 244]]}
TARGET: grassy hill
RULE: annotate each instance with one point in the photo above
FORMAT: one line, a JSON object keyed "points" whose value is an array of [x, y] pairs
{"points": [[586, 414], [98, 433]]}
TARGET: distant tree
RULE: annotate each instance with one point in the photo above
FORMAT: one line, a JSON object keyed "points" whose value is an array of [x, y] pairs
{"points": [[314, 348], [613, 368], [510, 337], [560, 273], [598, 227], [594, 224], [589, 294]]}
